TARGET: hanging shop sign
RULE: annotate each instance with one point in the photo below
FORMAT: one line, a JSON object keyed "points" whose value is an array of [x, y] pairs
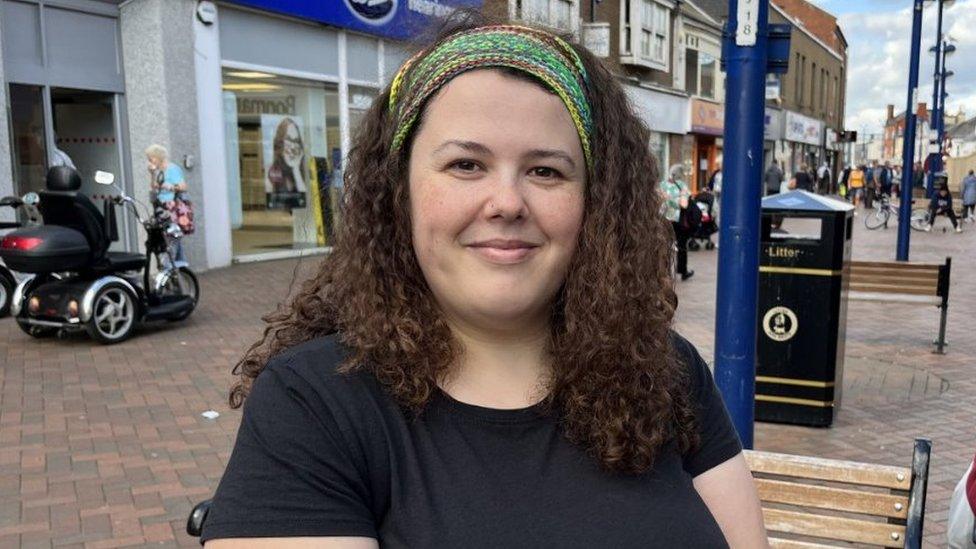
{"points": [[707, 117], [400, 19]]}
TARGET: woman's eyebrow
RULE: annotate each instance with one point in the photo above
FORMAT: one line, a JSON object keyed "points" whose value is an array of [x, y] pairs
{"points": [[470, 146], [551, 153]]}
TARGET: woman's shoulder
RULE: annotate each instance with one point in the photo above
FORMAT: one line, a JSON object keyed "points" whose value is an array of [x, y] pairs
{"points": [[313, 370]]}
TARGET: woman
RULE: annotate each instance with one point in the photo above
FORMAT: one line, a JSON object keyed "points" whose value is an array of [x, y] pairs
{"points": [[169, 186], [286, 176], [486, 357], [677, 198]]}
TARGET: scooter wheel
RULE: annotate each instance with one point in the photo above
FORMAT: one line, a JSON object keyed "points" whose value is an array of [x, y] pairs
{"points": [[34, 331], [114, 314]]}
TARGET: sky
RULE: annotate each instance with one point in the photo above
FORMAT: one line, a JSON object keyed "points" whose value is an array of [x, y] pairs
{"points": [[878, 33]]}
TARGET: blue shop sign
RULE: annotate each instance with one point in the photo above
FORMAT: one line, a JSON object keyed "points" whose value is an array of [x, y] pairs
{"points": [[398, 19]]}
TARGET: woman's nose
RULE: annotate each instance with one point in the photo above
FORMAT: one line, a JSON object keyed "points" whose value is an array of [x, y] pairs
{"points": [[507, 199]]}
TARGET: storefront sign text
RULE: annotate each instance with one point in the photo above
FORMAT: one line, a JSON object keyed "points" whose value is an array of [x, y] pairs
{"points": [[803, 129], [707, 118], [285, 105], [401, 19]]}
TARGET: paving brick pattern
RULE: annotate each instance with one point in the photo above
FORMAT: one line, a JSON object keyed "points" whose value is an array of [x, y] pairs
{"points": [[105, 446]]}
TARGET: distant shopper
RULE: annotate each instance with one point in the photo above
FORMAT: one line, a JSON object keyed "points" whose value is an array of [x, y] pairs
{"points": [[60, 158], [941, 203], [823, 178], [677, 201], [773, 178], [870, 186], [969, 197], [856, 182], [803, 181], [885, 179], [170, 189]]}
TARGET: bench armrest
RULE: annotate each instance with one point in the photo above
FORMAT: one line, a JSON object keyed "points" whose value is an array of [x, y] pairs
{"points": [[194, 524]]}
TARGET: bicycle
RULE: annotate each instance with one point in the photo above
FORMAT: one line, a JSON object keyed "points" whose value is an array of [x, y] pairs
{"points": [[885, 211]]}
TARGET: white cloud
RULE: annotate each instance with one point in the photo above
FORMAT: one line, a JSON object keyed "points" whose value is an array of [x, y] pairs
{"points": [[878, 61]]}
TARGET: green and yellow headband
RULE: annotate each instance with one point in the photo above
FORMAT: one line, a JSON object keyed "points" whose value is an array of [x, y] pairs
{"points": [[543, 55]]}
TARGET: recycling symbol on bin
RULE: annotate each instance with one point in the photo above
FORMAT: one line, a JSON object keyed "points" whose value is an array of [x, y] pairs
{"points": [[780, 323]]}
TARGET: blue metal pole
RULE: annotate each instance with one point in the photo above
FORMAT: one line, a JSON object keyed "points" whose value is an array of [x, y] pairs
{"points": [[738, 256], [935, 163], [940, 132], [908, 150]]}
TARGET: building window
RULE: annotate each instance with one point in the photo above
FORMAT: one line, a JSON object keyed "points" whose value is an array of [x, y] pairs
{"points": [[645, 39], [700, 72], [813, 87], [561, 15]]}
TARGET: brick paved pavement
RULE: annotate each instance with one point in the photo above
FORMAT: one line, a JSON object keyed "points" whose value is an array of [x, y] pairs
{"points": [[106, 447]]}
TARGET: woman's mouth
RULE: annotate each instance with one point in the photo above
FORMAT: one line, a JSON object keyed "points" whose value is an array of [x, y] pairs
{"points": [[504, 251]]}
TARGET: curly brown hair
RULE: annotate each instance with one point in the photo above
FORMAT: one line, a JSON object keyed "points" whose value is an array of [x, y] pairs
{"points": [[616, 382]]}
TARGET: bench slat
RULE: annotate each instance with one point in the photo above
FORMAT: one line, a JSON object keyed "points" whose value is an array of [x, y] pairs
{"points": [[850, 472], [925, 278], [834, 528], [894, 271], [931, 287], [780, 543], [885, 288], [907, 265], [835, 499], [894, 298]]}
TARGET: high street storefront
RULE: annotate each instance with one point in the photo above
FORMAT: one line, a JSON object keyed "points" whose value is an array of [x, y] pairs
{"points": [[257, 101], [707, 126], [665, 114], [62, 92], [805, 139]]}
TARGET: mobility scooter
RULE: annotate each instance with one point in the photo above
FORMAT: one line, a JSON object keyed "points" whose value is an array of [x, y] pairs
{"points": [[74, 283], [8, 278]]}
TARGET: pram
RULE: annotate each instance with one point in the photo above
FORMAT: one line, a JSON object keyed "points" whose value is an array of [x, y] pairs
{"points": [[702, 235]]}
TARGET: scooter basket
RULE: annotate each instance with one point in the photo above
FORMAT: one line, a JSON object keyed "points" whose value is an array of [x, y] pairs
{"points": [[45, 249]]}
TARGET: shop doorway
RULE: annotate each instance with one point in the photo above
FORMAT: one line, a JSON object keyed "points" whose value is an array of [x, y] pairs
{"points": [[62, 126]]}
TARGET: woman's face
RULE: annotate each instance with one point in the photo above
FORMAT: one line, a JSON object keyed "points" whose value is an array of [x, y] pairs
{"points": [[292, 146], [155, 163], [497, 178]]}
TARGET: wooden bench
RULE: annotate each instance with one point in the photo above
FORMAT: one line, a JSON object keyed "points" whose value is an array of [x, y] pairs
{"points": [[813, 503], [903, 282]]}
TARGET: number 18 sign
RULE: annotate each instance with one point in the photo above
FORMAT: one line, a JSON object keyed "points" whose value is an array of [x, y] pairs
{"points": [[747, 16]]}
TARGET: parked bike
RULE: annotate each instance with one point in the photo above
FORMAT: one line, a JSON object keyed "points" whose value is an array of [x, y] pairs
{"points": [[74, 283], [885, 211]]}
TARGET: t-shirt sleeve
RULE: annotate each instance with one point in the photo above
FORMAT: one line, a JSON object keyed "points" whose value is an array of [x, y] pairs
{"points": [[718, 440], [292, 472]]}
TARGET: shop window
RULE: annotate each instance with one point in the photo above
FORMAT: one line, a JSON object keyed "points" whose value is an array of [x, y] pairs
{"points": [[284, 167], [708, 70], [691, 72], [646, 33], [701, 70], [561, 15]]}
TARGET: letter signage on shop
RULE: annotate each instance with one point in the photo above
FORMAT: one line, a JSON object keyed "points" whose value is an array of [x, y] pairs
{"points": [[803, 129], [399, 19]]}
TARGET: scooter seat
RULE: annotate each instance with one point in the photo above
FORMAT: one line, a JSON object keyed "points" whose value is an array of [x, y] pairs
{"points": [[122, 261]]}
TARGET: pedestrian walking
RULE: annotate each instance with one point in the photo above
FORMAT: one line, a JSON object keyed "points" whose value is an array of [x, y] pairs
{"points": [[870, 186], [941, 204], [823, 178], [773, 178], [491, 333], [896, 180], [802, 180], [918, 176], [885, 179], [678, 210], [857, 186], [961, 525], [170, 192], [969, 197], [844, 185]]}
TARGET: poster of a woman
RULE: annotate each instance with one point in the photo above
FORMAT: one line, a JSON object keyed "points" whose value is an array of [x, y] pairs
{"points": [[285, 184]]}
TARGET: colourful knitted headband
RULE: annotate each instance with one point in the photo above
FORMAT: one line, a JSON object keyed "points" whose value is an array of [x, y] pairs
{"points": [[543, 55]]}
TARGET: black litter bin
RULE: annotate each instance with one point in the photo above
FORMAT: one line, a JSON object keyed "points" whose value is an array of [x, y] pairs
{"points": [[806, 244]]}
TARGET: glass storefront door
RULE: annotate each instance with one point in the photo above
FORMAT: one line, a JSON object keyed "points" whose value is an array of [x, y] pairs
{"points": [[284, 160], [27, 136]]}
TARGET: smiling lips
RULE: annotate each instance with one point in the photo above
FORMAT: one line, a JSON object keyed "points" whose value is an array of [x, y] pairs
{"points": [[503, 251]]}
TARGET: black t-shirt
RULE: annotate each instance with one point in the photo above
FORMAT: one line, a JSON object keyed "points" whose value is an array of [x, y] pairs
{"points": [[803, 181], [320, 453]]}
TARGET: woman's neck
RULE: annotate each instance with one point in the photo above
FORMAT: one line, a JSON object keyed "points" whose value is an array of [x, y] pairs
{"points": [[504, 371]]}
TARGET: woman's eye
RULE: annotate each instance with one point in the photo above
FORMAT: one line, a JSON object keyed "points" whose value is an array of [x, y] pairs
{"points": [[545, 172], [465, 165]]}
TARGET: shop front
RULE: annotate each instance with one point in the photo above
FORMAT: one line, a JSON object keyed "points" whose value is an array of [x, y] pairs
{"points": [[664, 115], [774, 146], [707, 125], [64, 94], [805, 137]]}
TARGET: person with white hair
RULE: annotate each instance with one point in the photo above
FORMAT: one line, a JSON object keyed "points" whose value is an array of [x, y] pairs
{"points": [[168, 186], [677, 198]]}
